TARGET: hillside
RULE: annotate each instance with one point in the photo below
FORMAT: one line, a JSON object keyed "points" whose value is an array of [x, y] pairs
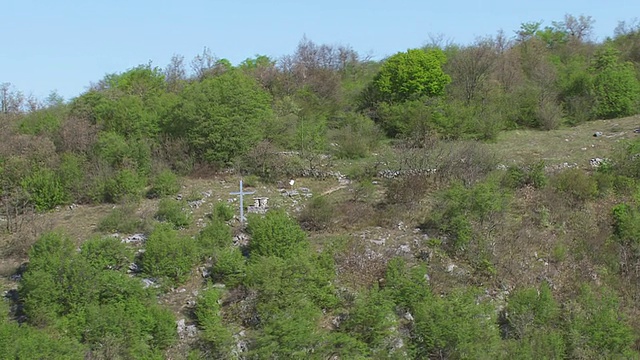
{"points": [[447, 202], [542, 239]]}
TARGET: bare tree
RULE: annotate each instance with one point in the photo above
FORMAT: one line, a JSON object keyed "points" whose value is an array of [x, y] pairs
{"points": [[203, 63], [175, 73], [471, 66]]}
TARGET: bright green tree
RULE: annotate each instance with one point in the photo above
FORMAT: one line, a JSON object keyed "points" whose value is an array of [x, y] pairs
{"points": [[411, 75]]}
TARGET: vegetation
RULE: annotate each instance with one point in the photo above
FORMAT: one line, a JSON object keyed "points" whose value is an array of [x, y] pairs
{"points": [[451, 201]]}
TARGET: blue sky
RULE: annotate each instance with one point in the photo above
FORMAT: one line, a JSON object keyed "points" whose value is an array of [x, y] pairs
{"points": [[65, 45]]}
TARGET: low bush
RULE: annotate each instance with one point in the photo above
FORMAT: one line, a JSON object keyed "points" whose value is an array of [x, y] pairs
{"points": [[163, 184], [122, 219], [317, 214], [275, 234], [107, 253], [216, 235], [223, 211], [576, 183], [168, 254], [45, 190], [173, 212]]}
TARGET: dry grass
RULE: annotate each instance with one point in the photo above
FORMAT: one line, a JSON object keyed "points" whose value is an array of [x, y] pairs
{"points": [[571, 145]]}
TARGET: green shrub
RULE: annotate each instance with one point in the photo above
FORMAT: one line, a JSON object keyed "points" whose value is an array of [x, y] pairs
{"points": [[223, 211], [122, 219], [213, 237], [275, 234], [163, 184], [125, 185], [45, 190], [229, 266], [357, 136], [529, 308], [520, 176], [72, 174], [107, 253], [576, 183], [213, 332], [626, 223], [596, 326], [168, 255], [173, 212]]}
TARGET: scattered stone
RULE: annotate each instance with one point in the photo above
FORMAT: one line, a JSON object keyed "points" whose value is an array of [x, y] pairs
{"points": [[378, 242], [597, 134], [191, 303], [196, 203], [241, 239], [408, 316], [597, 162], [134, 268], [451, 267], [404, 249], [148, 282], [73, 206], [15, 277], [204, 271], [219, 285], [206, 193], [637, 131], [501, 167], [134, 239], [179, 197], [184, 330]]}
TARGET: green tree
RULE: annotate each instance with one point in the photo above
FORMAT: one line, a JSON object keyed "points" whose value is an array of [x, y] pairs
{"points": [[616, 88], [221, 117], [410, 75]]}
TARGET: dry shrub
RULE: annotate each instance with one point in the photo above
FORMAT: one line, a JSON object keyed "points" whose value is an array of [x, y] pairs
{"points": [[549, 114], [76, 135], [29, 227], [407, 190], [360, 266], [35, 149], [353, 214]]}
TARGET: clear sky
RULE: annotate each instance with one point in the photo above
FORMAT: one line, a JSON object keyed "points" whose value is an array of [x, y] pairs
{"points": [[65, 45]]}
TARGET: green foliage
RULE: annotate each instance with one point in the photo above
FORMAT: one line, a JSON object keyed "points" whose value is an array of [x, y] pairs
{"points": [[121, 219], [40, 122], [168, 254], [213, 237], [596, 327], [275, 234], [45, 189], [411, 75], [76, 294], [26, 342], [229, 266], [126, 184], [616, 87], [279, 281], [221, 117], [576, 183], [72, 173], [458, 206], [456, 326], [107, 253], [626, 223], [173, 212], [223, 211], [530, 309], [164, 183], [216, 335], [289, 334]]}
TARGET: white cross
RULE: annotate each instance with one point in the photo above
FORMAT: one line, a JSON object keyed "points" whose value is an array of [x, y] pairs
{"points": [[242, 193]]}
